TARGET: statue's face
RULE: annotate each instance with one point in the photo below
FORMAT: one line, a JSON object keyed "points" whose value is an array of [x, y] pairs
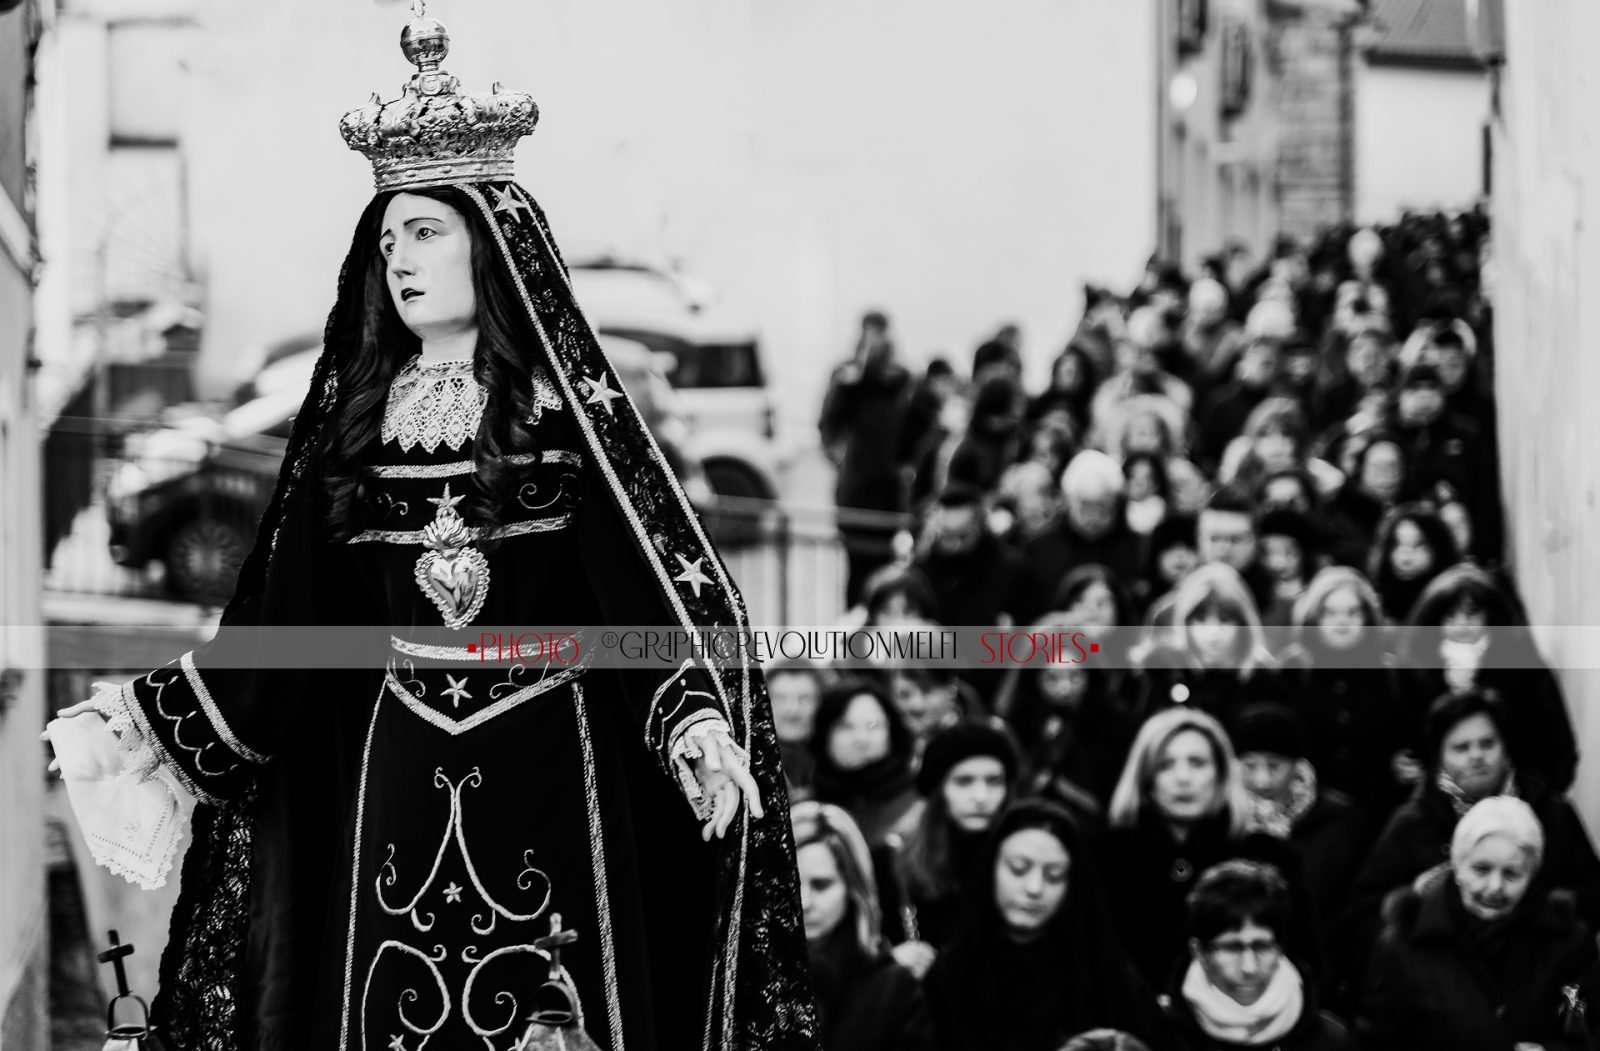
{"points": [[428, 247]]}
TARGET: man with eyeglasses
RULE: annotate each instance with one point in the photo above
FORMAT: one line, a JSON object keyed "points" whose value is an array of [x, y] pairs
{"points": [[1240, 986]]}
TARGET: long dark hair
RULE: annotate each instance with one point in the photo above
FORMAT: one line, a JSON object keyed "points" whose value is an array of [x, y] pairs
{"points": [[836, 700], [503, 362], [1074, 976], [925, 864], [1399, 595]]}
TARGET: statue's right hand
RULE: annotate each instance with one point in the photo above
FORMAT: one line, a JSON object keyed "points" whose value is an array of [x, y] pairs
{"points": [[85, 748], [77, 709]]}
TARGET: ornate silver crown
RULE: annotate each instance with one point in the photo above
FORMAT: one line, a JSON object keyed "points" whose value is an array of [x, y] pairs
{"points": [[433, 134]]}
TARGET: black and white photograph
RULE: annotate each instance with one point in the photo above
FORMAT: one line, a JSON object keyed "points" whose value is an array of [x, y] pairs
{"points": [[747, 525]]}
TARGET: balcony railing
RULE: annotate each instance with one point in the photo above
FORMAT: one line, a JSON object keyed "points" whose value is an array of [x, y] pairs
{"points": [[177, 528]]}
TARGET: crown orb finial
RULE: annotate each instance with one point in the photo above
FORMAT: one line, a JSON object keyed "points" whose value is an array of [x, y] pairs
{"points": [[425, 42]]}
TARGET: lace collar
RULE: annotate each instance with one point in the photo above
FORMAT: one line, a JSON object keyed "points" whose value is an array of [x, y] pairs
{"points": [[432, 404]]}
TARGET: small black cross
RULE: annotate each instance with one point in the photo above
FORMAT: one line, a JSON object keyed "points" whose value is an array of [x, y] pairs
{"points": [[553, 942], [114, 956]]}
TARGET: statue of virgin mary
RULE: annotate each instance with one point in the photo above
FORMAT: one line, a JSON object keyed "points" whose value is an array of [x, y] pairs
{"points": [[380, 855]]}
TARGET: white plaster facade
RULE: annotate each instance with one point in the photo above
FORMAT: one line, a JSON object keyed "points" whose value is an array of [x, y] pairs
{"points": [[1547, 332], [1419, 140]]}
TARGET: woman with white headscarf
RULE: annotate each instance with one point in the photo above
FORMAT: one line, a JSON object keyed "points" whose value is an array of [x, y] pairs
{"points": [[1482, 958]]}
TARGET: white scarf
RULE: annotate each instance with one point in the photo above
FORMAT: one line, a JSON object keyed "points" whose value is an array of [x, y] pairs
{"points": [[1461, 661], [1224, 1018]]}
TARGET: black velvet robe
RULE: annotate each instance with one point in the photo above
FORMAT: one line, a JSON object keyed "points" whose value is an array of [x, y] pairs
{"points": [[373, 843]]}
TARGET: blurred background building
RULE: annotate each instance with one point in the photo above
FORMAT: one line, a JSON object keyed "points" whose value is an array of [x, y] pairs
{"points": [[951, 163], [1421, 110], [24, 932], [1547, 251], [1254, 120]]}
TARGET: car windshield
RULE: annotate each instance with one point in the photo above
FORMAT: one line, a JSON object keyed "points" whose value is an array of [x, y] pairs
{"points": [[701, 365]]}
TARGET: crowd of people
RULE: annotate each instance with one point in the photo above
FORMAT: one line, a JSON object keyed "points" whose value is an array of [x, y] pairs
{"points": [[1312, 791]]}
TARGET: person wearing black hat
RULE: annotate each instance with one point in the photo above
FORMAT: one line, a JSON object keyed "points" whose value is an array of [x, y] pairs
{"points": [[1442, 446], [1322, 825], [968, 774]]}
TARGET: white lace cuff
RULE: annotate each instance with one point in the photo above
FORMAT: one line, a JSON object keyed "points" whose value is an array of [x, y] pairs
{"points": [[686, 748], [139, 756], [133, 827]]}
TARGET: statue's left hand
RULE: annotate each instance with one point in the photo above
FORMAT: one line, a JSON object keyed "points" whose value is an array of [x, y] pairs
{"points": [[726, 781]]}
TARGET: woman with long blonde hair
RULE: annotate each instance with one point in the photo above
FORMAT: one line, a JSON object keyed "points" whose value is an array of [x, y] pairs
{"points": [[1179, 808], [1217, 626], [865, 1001]]}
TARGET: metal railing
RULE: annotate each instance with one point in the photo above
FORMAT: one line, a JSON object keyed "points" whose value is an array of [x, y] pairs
{"points": [[176, 529]]}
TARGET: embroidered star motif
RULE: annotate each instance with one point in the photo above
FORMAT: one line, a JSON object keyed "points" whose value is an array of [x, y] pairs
{"points": [[397, 1043], [506, 200], [692, 574], [457, 690], [452, 893], [445, 502], [600, 393]]}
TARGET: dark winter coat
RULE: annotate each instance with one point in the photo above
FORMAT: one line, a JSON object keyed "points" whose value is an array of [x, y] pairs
{"points": [[1350, 719], [1433, 983], [938, 916], [1418, 837], [1331, 838], [1316, 1030], [1087, 747], [1538, 728], [1052, 556], [866, 1002], [979, 587], [1220, 692], [1223, 418], [975, 587], [864, 417], [1452, 450], [1350, 524], [1150, 875], [879, 797], [798, 764]]}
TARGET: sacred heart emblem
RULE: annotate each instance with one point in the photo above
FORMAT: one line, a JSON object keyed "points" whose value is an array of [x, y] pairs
{"points": [[456, 580], [452, 573]]}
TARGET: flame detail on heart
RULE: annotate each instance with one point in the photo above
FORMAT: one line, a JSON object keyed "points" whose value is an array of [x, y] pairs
{"points": [[452, 573]]}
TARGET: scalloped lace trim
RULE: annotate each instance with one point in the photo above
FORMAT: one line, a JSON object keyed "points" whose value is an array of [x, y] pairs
{"points": [[430, 405], [686, 748], [139, 756]]}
